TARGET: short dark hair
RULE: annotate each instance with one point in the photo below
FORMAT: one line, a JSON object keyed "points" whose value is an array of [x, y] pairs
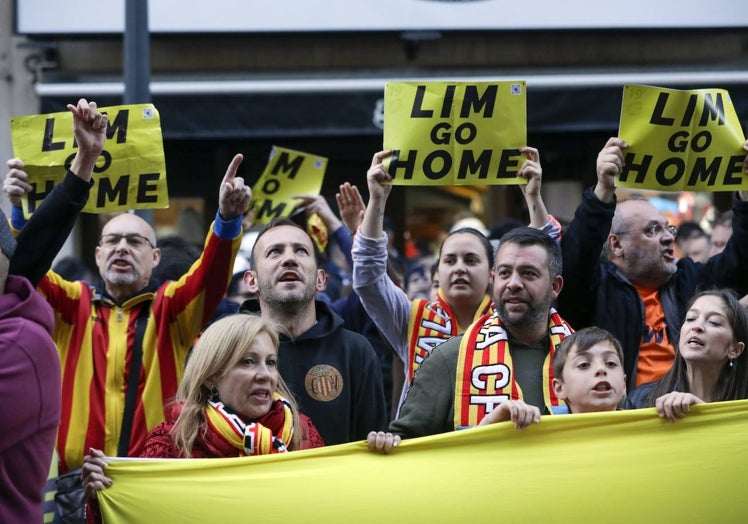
{"points": [[583, 339], [277, 222], [530, 236]]}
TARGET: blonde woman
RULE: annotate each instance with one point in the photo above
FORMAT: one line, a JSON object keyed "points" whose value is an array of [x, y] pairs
{"points": [[231, 402]]}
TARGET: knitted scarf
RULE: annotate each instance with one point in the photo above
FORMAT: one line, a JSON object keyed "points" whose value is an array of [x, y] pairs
{"points": [[266, 435], [485, 376], [432, 323]]}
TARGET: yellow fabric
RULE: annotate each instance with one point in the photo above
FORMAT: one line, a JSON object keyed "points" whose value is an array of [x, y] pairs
{"points": [[624, 466]]}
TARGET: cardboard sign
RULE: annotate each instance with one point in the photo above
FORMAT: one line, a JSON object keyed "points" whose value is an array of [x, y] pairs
{"points": [[447, 133], [130, 173], [287, 173], [681, 140]]}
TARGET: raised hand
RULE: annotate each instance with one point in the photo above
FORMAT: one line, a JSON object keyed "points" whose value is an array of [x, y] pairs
{"points": [[318, 204], [89, 128], [351, 206], [233, 196], [610, 162], [16, 183]]}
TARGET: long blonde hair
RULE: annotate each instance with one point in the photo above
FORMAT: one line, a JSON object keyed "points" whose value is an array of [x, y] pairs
{"points": [[220, 348]]}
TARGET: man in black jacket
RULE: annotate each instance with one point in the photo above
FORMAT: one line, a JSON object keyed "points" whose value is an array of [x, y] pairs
{"points": [[334, 373], [637, 289]]}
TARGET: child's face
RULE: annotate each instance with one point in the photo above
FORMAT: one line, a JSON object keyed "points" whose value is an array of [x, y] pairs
{"points": [[593, 379]]}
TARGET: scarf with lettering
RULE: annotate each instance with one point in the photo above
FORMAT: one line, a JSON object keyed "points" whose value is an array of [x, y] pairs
{"points": [[268, 434], [432, 323], [485, 376]]}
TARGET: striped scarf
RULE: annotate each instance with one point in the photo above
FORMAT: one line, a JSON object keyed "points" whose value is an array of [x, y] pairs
{"points": [[485, 374], [267, 435], [432, 323]]}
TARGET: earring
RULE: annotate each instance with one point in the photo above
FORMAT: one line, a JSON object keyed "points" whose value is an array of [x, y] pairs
{"points": [[214, 393], [732, 363]]}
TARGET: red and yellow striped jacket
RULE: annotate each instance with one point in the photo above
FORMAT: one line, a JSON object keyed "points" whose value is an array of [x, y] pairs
{"points": [[94, 339]]}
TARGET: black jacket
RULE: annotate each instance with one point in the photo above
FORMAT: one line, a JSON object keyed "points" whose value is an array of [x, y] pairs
{"points": [[595, 293], [335, 376]]}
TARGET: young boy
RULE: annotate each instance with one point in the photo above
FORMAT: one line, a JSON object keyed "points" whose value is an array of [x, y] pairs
{"points": [[588, 372]]}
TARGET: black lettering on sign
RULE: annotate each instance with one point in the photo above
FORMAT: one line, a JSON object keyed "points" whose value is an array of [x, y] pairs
{"points": [[36, 195], [270, 186], [464, 133], [631, 167], [267, 209], [408, 165], [469, 165], [657, 114], [147, 188], [48, 143], [679, 142], [119, 126], [117, 193], [661, 173], [712, 109], [509, 159], [734, 167], [417, 111], [289, 167], [474, 101], [437, 172]]}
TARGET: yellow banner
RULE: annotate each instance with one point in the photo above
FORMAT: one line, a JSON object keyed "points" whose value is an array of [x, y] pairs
{"points": [[287, 173], [681, 140], [452, 133], [626, 466], [130, 173]]}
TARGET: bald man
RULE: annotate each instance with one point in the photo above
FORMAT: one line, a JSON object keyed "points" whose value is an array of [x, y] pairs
{"points": [[638, 289]]}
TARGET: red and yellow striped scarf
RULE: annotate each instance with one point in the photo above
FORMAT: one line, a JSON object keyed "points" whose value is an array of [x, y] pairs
{"points": [[432, 323], [254, 438], [485, 376]]}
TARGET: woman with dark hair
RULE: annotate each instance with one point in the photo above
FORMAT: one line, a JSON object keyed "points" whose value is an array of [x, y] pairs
{"points": [[710, 364], [465, 259]]}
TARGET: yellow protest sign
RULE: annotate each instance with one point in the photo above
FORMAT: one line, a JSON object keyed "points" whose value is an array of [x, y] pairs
{"points": [[287, 173], [452, 133], [681, 140], [130, 173], [625, 466]]}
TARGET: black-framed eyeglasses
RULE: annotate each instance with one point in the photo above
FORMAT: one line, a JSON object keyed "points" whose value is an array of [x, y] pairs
{"points": [[652, 231], [133, 240]]}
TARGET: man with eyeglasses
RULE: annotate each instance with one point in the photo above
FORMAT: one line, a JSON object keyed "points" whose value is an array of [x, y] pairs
{"points": [[125, 333], [621, 273]]}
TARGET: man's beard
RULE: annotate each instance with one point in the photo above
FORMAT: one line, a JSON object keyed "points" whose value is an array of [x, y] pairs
{"points": [[285, 301], [537, 312]]}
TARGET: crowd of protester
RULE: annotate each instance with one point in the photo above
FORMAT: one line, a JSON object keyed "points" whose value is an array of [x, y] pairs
{"points": [[328, 335]]}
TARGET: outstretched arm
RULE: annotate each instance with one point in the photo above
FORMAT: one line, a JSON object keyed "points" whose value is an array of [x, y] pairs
{"points": [[533, 173], [373, 223]]}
